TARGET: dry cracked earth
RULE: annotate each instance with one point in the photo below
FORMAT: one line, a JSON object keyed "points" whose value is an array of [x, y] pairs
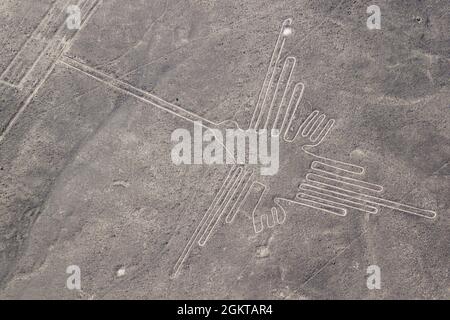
{"points": [[87, 180]]}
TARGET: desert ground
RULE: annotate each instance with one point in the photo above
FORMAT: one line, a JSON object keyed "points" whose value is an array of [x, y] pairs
{"points": [[87, 178]]}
